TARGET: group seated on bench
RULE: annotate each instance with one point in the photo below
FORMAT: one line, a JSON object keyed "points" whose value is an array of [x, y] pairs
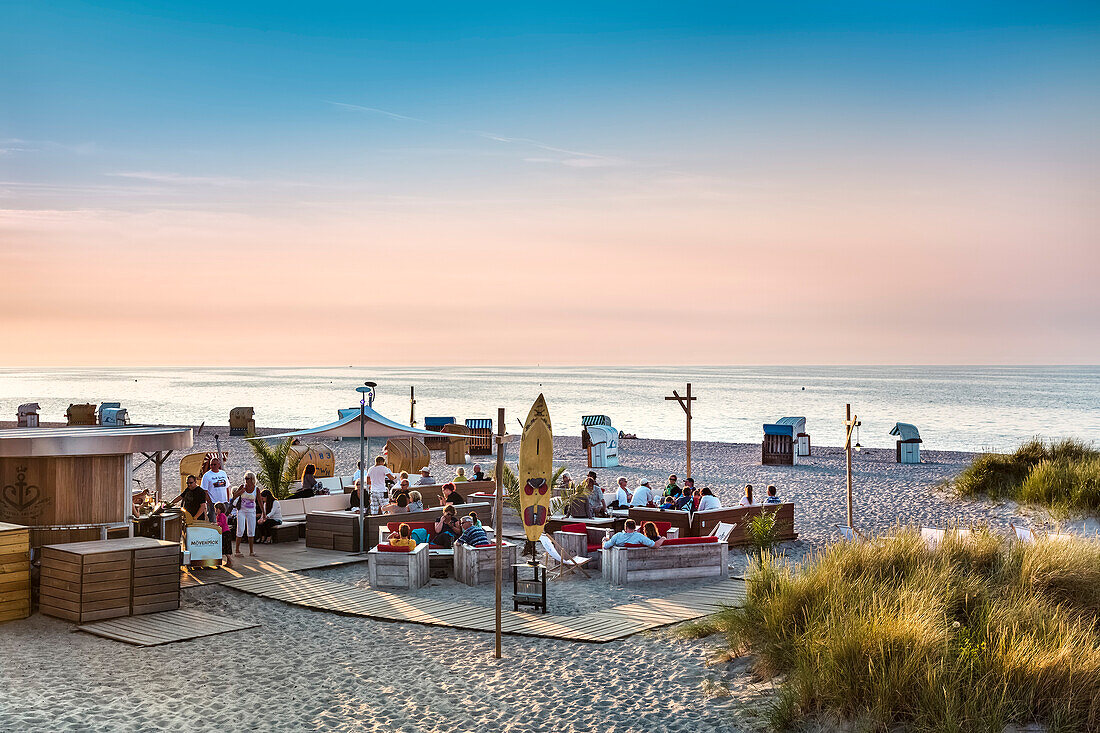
{"points": [[581, 540], [675, 559]]}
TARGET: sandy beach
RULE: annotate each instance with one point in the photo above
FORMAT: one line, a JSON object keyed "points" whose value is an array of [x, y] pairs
{"points": [[309, 670]]}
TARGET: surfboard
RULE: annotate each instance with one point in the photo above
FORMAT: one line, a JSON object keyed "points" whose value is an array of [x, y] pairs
{"points": [[536, 468]]}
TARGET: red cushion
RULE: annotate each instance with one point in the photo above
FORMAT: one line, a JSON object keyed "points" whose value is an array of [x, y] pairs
{"points": [[662, 527], [578, 527], [487, 544], [387, 547], [594, 546], [436, 547], [691, 541], [635, 544]]}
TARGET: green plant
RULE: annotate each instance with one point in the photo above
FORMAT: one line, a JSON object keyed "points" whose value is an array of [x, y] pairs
{"points": [[511, 490], [976, 634], [1063, 475], [277, 467], [762, 532]]}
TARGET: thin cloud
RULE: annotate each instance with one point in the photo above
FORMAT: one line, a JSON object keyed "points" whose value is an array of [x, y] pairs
{"points": [[572, 158], [179, 179]]}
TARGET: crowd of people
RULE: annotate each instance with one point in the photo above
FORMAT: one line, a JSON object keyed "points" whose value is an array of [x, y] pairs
{"points": [[591, 501]]}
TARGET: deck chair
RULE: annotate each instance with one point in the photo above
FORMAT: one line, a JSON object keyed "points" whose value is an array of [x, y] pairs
{"points": [[932, 535], [563, 564], [1023, 534], [850, 534], [722, 531]]}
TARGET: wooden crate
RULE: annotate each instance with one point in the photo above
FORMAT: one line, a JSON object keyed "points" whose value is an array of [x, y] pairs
{"points": [[88, 581], [15, 572]]}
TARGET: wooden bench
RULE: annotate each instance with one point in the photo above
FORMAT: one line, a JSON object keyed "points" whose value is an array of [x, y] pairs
{"points": [[677, 559], [681, 520], [407, 570], [287, 532], [477, 565], [703, 523]]}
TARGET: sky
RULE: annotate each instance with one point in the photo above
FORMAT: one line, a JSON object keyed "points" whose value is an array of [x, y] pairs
{"points": [[211, 183]]}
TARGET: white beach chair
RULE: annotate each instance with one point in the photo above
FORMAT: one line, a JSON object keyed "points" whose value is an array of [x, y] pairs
{"points": [[564, 564], [1023, 534], [722, 531], [932, 535]]}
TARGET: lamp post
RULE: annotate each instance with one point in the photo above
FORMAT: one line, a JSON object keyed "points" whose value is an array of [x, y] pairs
{"points": [[365, 392], [851, 424]]}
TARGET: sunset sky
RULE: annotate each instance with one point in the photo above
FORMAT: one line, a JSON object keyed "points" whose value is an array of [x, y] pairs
{"points": [[516, 183]]}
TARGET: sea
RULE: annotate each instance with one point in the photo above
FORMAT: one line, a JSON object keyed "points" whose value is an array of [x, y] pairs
{"points": [[967, 408]]}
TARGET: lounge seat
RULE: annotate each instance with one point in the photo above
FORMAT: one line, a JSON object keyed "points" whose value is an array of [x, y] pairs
{"points": [[391, 567], [677, 559]]}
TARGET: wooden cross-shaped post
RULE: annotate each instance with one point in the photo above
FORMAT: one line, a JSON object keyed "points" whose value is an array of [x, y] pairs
{"points": [[851, 422], [685, 403]]}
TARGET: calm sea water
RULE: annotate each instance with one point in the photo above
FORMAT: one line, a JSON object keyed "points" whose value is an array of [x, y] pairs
{"points": [[955, 408]]}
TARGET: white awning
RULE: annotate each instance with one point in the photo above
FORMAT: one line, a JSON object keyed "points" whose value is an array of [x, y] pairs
{"points": [[376, 426]]}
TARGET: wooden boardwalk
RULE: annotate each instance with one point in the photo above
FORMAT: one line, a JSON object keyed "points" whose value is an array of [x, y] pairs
{"points": [[278, 558], [165, 627], [598, 627]]}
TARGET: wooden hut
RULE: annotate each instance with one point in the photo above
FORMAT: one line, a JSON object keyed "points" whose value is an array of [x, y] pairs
{"points": [[436, 424], [406, 454], [28, 415], [241, 421], [908, 446], [320, 456], [481, 436], [457, 448], [81, 414]]}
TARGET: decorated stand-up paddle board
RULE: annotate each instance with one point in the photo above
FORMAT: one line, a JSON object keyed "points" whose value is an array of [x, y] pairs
{"points": [[536, 468]]}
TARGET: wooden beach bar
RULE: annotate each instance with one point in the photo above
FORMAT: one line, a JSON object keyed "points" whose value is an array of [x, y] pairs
{"points": [[73, 484]]}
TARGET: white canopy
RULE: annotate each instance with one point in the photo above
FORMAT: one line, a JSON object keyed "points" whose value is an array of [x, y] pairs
{"points": [[347, 426]]}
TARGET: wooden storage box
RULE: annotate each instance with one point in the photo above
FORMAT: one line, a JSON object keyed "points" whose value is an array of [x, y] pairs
{"points": [[333, 531], [15, 572], [88, 581]]}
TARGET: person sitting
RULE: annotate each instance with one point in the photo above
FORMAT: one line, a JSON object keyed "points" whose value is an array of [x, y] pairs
{"points": [[447, 527], [671, 484], [404, 538], [397, 506], [273, 517], [746, 500], [649, 529], [707, 500], [629, 536], [472, 534], [479, 475], [425, 477], [643, 495], [460, 476], [355, 493], [588, 499], [622, 499], [696, 497], [416, 502], [473, 515], [670, 501], [684, 502], [309, 481], [451, 495], [689, 486], [565, 483], [771, 497]]}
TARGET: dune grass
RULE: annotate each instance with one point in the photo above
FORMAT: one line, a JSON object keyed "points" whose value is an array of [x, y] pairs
{"points": [[1064, 475], [970, 636]]}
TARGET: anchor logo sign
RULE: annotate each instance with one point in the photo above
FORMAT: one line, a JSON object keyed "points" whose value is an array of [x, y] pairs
{"points": [[21, 495]]}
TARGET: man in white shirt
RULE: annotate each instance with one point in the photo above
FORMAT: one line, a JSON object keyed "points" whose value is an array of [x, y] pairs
{"points": [[643, 495], [215, 483], [376, 480], [622, 498], [709, 500]]}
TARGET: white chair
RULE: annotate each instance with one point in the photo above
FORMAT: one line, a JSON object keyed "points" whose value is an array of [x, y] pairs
{"points": [[932, 535], [564, 563], [722, 531]]}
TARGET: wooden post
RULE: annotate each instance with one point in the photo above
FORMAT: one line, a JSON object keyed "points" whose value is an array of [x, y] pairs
{"points": [[851, 422], [499, 519], [685, 403], [412, 407]]}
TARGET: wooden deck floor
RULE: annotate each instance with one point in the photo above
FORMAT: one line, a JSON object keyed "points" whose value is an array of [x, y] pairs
{"points": [[598, 627], [165, 627], [278, 558]]}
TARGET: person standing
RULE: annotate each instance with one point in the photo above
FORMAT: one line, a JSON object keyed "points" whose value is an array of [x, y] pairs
{"points": [[215, 483], [376, 483], [246, 512], [195, 500]]}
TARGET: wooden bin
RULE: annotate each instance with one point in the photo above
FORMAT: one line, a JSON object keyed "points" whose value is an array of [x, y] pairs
{"points": [[15, 572], [88, 581], [333, 531]]}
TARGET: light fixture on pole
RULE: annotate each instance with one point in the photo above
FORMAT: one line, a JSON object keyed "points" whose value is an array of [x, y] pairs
{"points": [[851, 425], [366, 393]]}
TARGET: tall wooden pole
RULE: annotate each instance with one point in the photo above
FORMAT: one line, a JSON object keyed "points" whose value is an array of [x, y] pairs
{"points": [[412, 407], [498, 519], [848, 457], [685, 404]]}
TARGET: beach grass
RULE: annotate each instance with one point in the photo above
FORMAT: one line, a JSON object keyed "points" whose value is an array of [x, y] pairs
{"points": [[1063, 475], [973, 635]]}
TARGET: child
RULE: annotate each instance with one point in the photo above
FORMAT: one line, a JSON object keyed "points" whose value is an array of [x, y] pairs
{"points": [[404, 538], [227, 537], [670, 500]]}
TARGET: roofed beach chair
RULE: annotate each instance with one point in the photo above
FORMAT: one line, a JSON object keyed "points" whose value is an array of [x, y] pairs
{"points": [[564, 563]]}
